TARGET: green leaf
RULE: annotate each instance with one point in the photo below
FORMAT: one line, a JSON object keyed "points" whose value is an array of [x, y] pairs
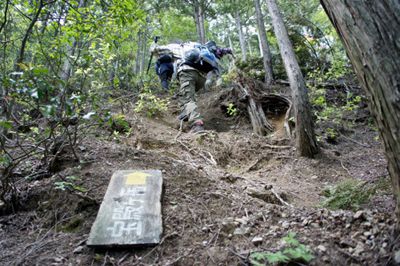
{"points": [[6, 124], [301, 253]]}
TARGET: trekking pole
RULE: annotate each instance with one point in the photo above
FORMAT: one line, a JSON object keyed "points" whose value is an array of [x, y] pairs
{"points": [[151, 55]]}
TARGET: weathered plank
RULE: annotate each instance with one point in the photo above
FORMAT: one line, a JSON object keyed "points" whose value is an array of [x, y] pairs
{"points": [[130, 213]]}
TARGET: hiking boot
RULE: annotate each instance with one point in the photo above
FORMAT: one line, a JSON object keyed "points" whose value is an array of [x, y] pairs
{"points": [[197, 127]]}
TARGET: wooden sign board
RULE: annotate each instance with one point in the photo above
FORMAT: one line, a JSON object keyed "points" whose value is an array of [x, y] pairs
{"points": [[130, 213]]}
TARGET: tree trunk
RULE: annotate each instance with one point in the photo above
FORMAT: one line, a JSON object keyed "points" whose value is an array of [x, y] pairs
{"points": [[370, 33], [241, 36], [266, 53], [259, 44], [248, 38], [306, 143], [201, 25], [138, 49], [230, 42], [199, 20], [21, 54], [3, 24]]}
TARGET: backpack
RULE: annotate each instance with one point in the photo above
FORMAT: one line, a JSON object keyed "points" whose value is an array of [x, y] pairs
{"points": [[201, 58]]}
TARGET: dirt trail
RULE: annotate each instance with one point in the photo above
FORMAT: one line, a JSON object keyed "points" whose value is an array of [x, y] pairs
{"points": [[222, 189]]}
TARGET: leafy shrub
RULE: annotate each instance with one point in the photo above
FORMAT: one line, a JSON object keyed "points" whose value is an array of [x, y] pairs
{"points": [[119, 124], [348, 194], [150, 104], [294, 252]]}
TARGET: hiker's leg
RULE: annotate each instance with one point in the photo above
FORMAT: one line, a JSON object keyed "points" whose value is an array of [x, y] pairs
{"points": [[164, 80], [187, 96], [210, 80], [200, 81]]}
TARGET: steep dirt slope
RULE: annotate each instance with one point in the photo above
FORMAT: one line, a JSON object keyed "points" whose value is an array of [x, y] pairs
{"points": [[227, 193]]}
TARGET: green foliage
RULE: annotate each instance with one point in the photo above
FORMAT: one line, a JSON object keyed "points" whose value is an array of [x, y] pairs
{"points": [[252, 68], [293, 251], [231, 110], [118, 123], [151, 105], [348, 194], [69, 184]]}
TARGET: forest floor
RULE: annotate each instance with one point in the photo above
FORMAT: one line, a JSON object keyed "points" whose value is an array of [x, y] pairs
{"points": [[219, 202]]}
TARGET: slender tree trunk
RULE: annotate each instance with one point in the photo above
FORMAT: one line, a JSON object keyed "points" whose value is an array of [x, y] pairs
{"points": [[197, 22], [230, 43], [241, 36], [144, 53], [259, 44], [266, 53], [306, 143], [3, 24], [71, 49], [370, 33], [28, 32], [201, 25], [249, 42], [138, 53]]}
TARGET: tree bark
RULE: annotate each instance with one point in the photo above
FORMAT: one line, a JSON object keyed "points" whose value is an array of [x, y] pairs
{"points": [[266, 53], [201, 25], [3, 24], [21, 54], [241, 36], [71, 49], [248, 38], [259, 44], [199, 20], [306, 144], [138, 52], [370, 32]]}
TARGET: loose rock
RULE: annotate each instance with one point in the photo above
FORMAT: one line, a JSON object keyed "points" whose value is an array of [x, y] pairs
{"points": [[358, 215], [257, 240]]}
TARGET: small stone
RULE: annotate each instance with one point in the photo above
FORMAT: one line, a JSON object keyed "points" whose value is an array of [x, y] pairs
{"points": [[321, 248], [286, 224], [314, 177], [367, 233], [204, 243], [358, 215], [382, 251], [325, 259], [353, 236], [241, 231], [397, 257], [367, 224], [257, 240], [315, 225], [243, 220], [359, 249], [78, 250], [228, 226], [58, 259]]}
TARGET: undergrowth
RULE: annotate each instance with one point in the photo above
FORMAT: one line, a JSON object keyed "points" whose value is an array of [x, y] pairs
{"points": [[350, 194], [293, 252]]}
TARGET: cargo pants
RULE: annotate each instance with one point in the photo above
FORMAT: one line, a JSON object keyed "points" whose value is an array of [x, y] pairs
{"points": [[191, 81]]}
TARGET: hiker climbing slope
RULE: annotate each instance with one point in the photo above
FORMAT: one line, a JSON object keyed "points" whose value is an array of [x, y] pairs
{"points": [[192, 72], [164, 69]]}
